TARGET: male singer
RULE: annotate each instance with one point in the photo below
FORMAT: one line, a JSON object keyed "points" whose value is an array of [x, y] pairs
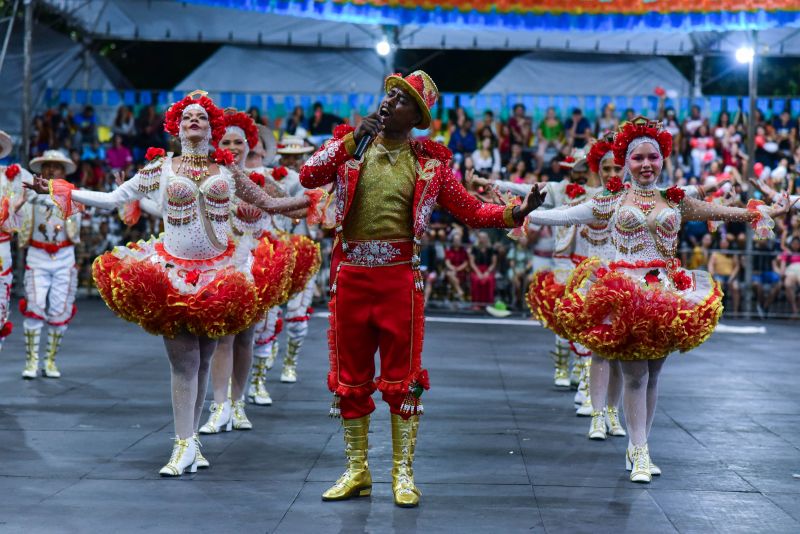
{"points": [[384, 201]]}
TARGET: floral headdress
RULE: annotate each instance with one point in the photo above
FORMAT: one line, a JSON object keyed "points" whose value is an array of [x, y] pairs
{"points": [[599, 151], [172, 118], [242, 121], [644, 129]]}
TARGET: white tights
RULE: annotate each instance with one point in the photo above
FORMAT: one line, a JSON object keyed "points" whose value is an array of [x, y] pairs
{"points": [[641, 394], [232, 360], [189, 359], [605, 383]]}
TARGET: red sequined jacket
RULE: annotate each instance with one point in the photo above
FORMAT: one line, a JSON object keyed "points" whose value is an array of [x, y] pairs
{"points": [[435, 184]]}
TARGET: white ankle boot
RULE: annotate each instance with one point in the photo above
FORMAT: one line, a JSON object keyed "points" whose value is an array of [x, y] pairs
{"points": [[184, 456], [221, 419], [239, 417], [613, 423], [202, 463], [597, 429], [637, 461]]}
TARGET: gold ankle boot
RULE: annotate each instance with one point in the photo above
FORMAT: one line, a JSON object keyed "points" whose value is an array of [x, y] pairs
{"points": [[561, 362], [53, 344], [289, 374], [404, 441], [31, 369], [356, 481]]}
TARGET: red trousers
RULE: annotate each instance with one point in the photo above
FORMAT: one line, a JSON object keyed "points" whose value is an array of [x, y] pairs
{"points": [[374, 309], [482, 289]]}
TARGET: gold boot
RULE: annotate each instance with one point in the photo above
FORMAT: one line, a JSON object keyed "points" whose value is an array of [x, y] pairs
{"points": [[257, 392], [404, 441], [53, 343], [561, 362], [31, 369], [289, 374], [356, 481]]}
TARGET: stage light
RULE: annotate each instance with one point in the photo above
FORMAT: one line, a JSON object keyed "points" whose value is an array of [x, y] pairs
{"points": [[383, 47], [745, 54]]}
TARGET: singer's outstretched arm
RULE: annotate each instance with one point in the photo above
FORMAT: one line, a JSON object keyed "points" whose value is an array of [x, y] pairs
{"points": [[321, 167]]}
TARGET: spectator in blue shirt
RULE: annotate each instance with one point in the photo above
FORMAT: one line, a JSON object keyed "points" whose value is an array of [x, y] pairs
{"points": [[462, 140]]}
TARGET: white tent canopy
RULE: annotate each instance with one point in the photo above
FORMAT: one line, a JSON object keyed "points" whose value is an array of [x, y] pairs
{"points": [[56, 63], [563, 74], [169, 20], [250, 69]]}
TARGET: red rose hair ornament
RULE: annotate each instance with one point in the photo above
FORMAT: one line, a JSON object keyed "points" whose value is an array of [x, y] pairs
{"points": [[216, 119], [244, 122], [641, 127], [597, 153]]}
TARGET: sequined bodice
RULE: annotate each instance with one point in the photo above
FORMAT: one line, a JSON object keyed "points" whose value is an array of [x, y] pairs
{"points": [[185, 233], [635, 237]]}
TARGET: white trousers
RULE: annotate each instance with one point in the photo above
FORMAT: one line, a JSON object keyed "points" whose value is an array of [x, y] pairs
{"points": [[50, 286]]}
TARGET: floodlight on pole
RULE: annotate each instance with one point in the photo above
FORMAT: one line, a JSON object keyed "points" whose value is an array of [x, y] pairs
{"points": [[383, 48], [745, 54]]}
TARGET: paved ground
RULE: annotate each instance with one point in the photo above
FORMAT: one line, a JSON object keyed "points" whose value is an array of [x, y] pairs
{"points": [[499, 450]]}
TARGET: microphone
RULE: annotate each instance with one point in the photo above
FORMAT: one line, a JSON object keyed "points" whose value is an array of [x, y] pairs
{"points": [[362, 146], [367, 139]]}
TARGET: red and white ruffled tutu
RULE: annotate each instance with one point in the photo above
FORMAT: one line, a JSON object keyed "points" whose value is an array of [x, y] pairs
{"points": [[546, 289], [216, 297], [307, 261], [638, 311]]}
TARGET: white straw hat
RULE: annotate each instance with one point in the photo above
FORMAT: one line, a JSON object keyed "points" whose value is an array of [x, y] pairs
{"points": [[53, 156]]}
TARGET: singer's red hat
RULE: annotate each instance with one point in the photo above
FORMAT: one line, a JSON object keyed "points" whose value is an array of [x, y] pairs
{"points": [[420, 86]]}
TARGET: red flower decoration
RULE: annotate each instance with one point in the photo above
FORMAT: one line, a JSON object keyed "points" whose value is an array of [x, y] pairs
{"points": [[614, 185], [641, 127], [12, 171], [279, 173], [675, 194], [596, 153], [682, 280], [651, 278], [245, 122], [153, 153], [216, 119], [340, 131], [575, 190], [258, 179], [601, 272], [192, 277], [223, 156]]}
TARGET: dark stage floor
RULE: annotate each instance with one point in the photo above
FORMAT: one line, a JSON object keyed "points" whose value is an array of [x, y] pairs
{"points": [[499, 450]]}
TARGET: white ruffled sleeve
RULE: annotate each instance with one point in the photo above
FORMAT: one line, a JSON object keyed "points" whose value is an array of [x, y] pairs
{"points": [[581, 214], [127, 192]]}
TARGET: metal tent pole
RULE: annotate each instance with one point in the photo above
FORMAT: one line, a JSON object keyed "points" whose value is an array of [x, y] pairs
{"points": [[752, 84]]}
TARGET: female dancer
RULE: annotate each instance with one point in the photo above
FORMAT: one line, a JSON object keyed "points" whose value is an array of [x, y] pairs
{"points": [[190, 285], [605, 376], [234, 353], [642, 306]]}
